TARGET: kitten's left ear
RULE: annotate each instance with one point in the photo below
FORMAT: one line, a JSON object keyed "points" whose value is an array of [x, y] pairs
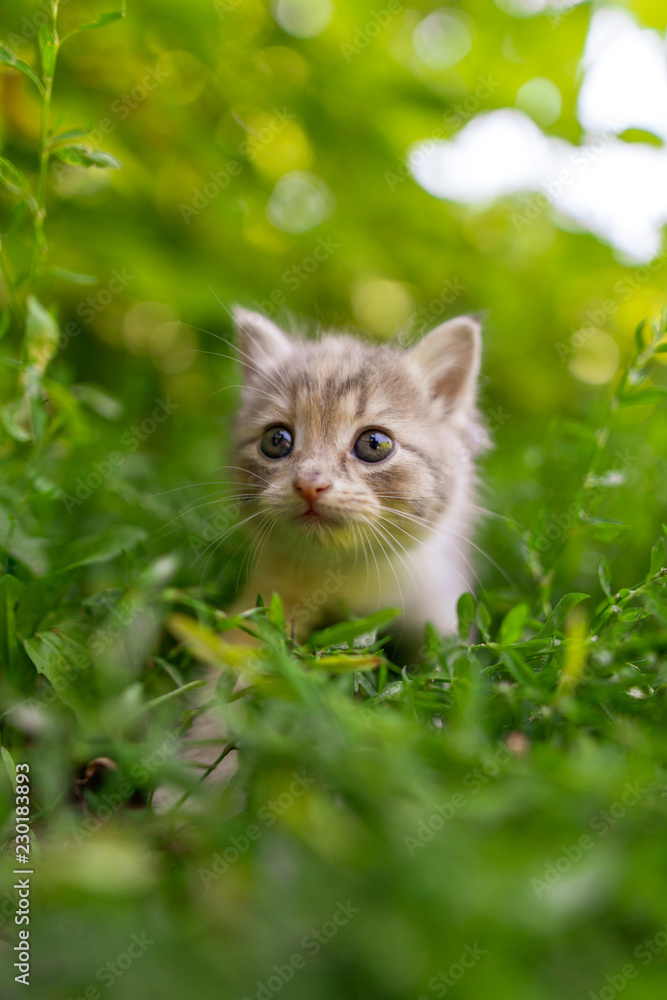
{"points": [[449, 358], [260, 341]]}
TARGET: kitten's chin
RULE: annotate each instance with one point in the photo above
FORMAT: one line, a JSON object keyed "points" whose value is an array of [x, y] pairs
{"points": [[315, 531]]}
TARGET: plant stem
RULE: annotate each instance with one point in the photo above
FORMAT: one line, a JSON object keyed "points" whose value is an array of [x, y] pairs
{"points": [[4, 270], [39, 243]]}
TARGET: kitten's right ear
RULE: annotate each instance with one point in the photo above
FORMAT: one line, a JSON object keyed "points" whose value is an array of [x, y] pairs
{"points": [[261, 343]]}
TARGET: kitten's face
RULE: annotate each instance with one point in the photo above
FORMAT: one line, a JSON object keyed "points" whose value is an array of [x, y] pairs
{"points": [[338, 442]]}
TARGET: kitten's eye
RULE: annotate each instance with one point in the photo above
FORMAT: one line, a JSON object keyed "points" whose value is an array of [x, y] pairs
{"points": [[277, 442], [373, 446]]}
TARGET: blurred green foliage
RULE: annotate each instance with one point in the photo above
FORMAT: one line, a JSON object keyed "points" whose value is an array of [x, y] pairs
{"points": [[499, 810]]}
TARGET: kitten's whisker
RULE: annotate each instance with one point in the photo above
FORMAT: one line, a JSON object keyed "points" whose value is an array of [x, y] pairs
{"points": [[407, 552], [374, 529], [254, 552], [439, 555], [229, 531], [189, 510], [191, 486], [418, 519], [494, 514], [229, 357], [447, 529], [240, 468], [262, 392], [380, 533], [241, 354]]}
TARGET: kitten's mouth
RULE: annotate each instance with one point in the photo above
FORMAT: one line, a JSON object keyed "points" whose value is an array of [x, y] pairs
{"points": [[314, 516]]}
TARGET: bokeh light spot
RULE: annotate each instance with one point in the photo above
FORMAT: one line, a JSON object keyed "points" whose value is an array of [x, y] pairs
{"points": [[303, 18], [541, 99], [382, 306], [597, 357], [299, 202], [442, 39], [140, 322]]}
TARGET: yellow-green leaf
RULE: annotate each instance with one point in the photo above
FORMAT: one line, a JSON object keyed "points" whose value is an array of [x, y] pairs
{"points": [[42, 336], [9, 58]]}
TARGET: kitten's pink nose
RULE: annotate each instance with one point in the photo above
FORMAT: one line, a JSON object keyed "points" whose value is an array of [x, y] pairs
{"points": [[311, 486]]}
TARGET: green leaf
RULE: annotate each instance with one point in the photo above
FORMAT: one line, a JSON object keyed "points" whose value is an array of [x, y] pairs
{"points": [[465, 609], [661, 349], [483, 620], [16, 182], [345, 632], [10, 59], [516, 666], [658, 558], [512, 625], [73, 276], [85, 156], [277, 612], [39, 598], [66, 665], [161, 699], [560, 613], [9, 765], [72, 133], [42, 336], [634, 615], [98, 400], [639, 337], [5, 321], [340, 663], [108, 18], [10, 650], [604, 575], [644, 397], [101, 547], [604, 530], [16, 419], [209, 648]]}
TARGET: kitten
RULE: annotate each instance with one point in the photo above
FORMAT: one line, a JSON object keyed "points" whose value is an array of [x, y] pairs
{"points": [[356, 468]]}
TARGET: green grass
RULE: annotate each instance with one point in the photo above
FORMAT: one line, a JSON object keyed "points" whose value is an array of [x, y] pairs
{"points": [[489, 822], [502, 802]]}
